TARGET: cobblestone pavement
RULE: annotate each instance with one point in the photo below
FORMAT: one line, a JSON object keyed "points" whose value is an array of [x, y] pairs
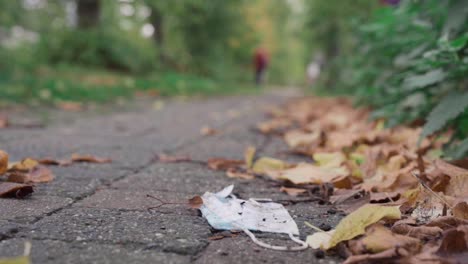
{"points": [[97, 213]]}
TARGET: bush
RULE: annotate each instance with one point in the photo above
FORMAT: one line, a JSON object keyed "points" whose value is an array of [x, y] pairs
{"points": [[411, 63]]}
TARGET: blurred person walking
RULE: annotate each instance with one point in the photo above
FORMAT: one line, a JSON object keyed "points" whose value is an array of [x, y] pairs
{"points": [[260, 62]]}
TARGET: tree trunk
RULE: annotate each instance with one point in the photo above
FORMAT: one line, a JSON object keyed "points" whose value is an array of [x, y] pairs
{"points": [[88, 12], [158, 36]]}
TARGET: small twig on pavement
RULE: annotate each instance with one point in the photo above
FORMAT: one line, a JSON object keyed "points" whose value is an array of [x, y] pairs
{"points": [[162, 202]]}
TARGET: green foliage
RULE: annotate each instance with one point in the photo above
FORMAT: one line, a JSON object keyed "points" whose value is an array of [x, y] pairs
{"points": [[411, 60], [448, 108], [50, 86]]}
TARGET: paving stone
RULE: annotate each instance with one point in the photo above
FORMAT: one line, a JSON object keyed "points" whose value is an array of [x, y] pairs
{"points": [[8, 229], [31, 207], [79, 180], [191, 179], [138, 200], [50, 251], [97, 213], [164, 232]]}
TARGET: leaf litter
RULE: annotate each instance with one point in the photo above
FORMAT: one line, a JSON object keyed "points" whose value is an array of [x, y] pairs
{"points": [[393, 189], [17, 179]]}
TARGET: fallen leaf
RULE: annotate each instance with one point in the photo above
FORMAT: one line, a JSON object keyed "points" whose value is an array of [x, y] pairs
{"points": [[70, 106], [387, 256], [89, 159], [24, 165], [320, 239], [223, 164], [234, 173], [196, 202], [3, 121], [266, 164], [455, 243], [460, 210], [292, 191], [18, 190], [16, 260], [3, 162], [208, 131], [378, 239], [308, 173], [172, 159], [384, 197], [458, 186], [355, 223], [249, 155], [38, 174], [297, 138], [420, 232], [273, 125], [447, 222], [54, 162], [449, 169], [329, 160]]}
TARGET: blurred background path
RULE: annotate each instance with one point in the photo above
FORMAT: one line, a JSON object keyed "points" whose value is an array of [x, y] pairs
{"points": [[98, 213]]}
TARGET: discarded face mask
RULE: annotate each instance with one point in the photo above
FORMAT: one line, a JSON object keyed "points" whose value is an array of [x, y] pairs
{"points": [[225, 212]]}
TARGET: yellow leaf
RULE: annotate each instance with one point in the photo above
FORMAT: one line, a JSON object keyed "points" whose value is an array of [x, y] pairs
{"points": [[320, 239], [249, 155], [266, 164], [329, 160], [24, 165], [355, 223], [16, 260], [297, 138]]}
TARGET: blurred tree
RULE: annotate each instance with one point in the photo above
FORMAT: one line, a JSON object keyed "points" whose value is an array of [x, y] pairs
{"points": [[88, 12]]}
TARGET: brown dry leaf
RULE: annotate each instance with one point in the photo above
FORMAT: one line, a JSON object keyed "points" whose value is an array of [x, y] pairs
{"points": [[378, 238], [292, 191], [447, 222], [449, 169], [196, 202], [349, 200], [54, 162], [70, 106], [223, 164], [420, 232], [266, 164], [3, 121], [249, 155], [388, 256], [24, 165], [3, 162], [305, 173], [234, 173], [208, 131], [172, 159], [455, 244], [384, 197], [460, 210], [458, 186], [38, 174], [18, 190], [274, 125], [297, 138], [89, 159]]}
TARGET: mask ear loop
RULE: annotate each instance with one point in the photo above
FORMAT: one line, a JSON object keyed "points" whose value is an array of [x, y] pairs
{"points": [[303, 245]]}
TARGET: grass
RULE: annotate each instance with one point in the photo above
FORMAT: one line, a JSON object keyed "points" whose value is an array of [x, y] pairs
{"points": [[50, 86]]}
